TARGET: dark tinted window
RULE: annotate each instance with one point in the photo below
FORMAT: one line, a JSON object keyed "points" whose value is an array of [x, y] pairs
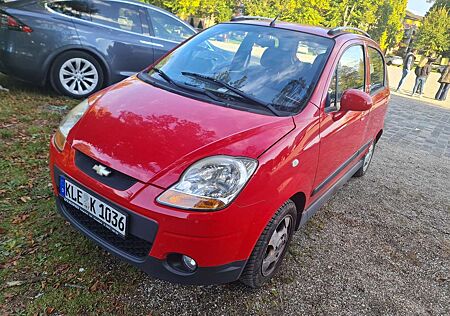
{"points": [[376, 70], [348, 75], [77, 9], [116, 14], [168, 28]]}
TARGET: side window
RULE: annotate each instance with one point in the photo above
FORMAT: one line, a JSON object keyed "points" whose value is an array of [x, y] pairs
{"points": [[76, 9], [119, 15], [349, 74], [168, 28], [377, 76]]}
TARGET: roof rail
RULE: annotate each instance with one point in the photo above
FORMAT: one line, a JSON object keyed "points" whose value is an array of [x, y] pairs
{"points": [[249, 17], [342, 29]]}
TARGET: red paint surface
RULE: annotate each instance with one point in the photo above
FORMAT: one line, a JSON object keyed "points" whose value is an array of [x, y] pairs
{"points": [[153, 135]]}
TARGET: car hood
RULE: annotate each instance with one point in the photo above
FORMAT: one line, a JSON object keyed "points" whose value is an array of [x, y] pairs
{"points": [[147, 132]]}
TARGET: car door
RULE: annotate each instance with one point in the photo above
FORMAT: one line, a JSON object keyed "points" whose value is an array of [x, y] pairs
{"points": [[119, 31], [378, 90], [341, 133], [167, 31]]}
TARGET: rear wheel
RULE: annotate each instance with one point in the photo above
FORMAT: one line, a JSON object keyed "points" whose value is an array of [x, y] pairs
{"points": [[76, 74], [271, 247]]}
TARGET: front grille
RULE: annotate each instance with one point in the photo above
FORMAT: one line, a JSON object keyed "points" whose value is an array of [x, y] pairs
{"points": [[132, 245], [116, 179]]}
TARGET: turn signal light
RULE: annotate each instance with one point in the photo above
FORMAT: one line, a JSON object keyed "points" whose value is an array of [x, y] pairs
{"points": [[186, 201], [59, 140]]}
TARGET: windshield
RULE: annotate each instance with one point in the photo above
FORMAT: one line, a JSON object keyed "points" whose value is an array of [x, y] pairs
{"points": [[253, 65]]}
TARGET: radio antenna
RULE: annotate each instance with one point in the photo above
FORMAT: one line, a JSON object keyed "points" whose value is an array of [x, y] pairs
{"points": [[272, 23]]}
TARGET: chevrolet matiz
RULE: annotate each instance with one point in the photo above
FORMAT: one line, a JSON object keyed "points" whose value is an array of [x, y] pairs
{"points": [[199, 169]]}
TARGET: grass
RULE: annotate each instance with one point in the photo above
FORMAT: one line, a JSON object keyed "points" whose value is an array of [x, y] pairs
{"points": [[45, 266]]}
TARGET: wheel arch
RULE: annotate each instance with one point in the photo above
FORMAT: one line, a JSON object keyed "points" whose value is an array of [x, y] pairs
{"points": [[377, 138], [100, 59], [299, 200]]}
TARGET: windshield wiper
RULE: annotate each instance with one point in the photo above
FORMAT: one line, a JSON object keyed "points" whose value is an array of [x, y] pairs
{"points": [[187, 87], [163, 75], [240, 93]]}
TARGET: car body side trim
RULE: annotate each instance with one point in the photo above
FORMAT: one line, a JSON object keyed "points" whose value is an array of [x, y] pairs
{"points": [[316, 205], [338, 170], [151, 43]]}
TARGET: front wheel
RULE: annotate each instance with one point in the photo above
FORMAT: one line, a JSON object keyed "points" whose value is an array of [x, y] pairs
{"points": [[271, 247], [366, 161], [76, 74]]}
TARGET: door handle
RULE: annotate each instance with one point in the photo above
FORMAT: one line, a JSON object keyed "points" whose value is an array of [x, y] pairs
{"points": [[151, 43]]}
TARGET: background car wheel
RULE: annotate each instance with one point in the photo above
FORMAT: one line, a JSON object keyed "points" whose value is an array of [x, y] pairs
{"points": [[76, 74], [366, 161], [271, 247]]}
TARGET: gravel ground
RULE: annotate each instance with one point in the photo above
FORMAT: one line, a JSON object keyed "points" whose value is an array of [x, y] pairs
{"points": [[381, 246]]}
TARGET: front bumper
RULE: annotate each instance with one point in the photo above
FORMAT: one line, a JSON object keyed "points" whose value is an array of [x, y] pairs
{"points": [[158, 268], [218, 241], [136, 247]]}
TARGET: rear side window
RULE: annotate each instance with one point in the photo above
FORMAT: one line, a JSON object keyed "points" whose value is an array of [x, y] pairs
{"points": [[168, 28], [377, 76], [119, 15], [349, 74], [76, 9]]}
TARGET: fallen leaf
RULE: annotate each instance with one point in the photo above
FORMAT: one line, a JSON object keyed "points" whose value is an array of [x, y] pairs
{"points": [[62, 269], [97, 286], [25, 199], [49, 310], [15, 283], [2, 230], [20, 218]]}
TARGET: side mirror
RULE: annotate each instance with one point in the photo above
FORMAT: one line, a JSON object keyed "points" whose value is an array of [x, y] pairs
{"points": [[355, 100]]}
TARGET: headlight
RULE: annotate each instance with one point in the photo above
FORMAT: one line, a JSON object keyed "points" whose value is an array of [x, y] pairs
{"points": [[210, 184], [68, 122]]}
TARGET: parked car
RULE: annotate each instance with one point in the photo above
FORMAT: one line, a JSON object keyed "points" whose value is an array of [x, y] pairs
{"points": [[200, 168], [394, 60], [82, 46]]}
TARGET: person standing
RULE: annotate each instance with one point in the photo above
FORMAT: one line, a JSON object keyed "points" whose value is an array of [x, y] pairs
{"points": [[444, 80], [408, 64], [422, 74]]}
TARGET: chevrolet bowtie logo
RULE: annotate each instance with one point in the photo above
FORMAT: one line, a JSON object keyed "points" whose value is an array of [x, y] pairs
{"points": [[101, 170]]}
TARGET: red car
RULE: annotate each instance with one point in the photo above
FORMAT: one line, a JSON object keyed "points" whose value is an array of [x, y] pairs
{"points": [[199, 169]]}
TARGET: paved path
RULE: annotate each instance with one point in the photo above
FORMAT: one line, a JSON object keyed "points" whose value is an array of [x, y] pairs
{"points": [[414, 123]]}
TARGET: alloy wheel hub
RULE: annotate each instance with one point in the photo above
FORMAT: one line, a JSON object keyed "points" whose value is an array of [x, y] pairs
{"points": [[276, 246], [78, 76]]}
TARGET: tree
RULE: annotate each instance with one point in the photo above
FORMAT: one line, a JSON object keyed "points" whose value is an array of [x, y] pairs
{"points": [[439, 4], [220, 10], [434, 33], [306, 12], [356, 13], [388, 29], [382, 18]]}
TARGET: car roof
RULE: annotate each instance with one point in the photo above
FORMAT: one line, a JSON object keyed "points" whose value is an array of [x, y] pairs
{"points": [[315, 30]]}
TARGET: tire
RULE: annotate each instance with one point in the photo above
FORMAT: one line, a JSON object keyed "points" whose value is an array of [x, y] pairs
{"points": [[257, 270], [76, 74], [366, 161]]}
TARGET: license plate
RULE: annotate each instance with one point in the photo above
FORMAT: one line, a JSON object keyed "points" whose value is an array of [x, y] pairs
{"points": [[106, 215]]}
